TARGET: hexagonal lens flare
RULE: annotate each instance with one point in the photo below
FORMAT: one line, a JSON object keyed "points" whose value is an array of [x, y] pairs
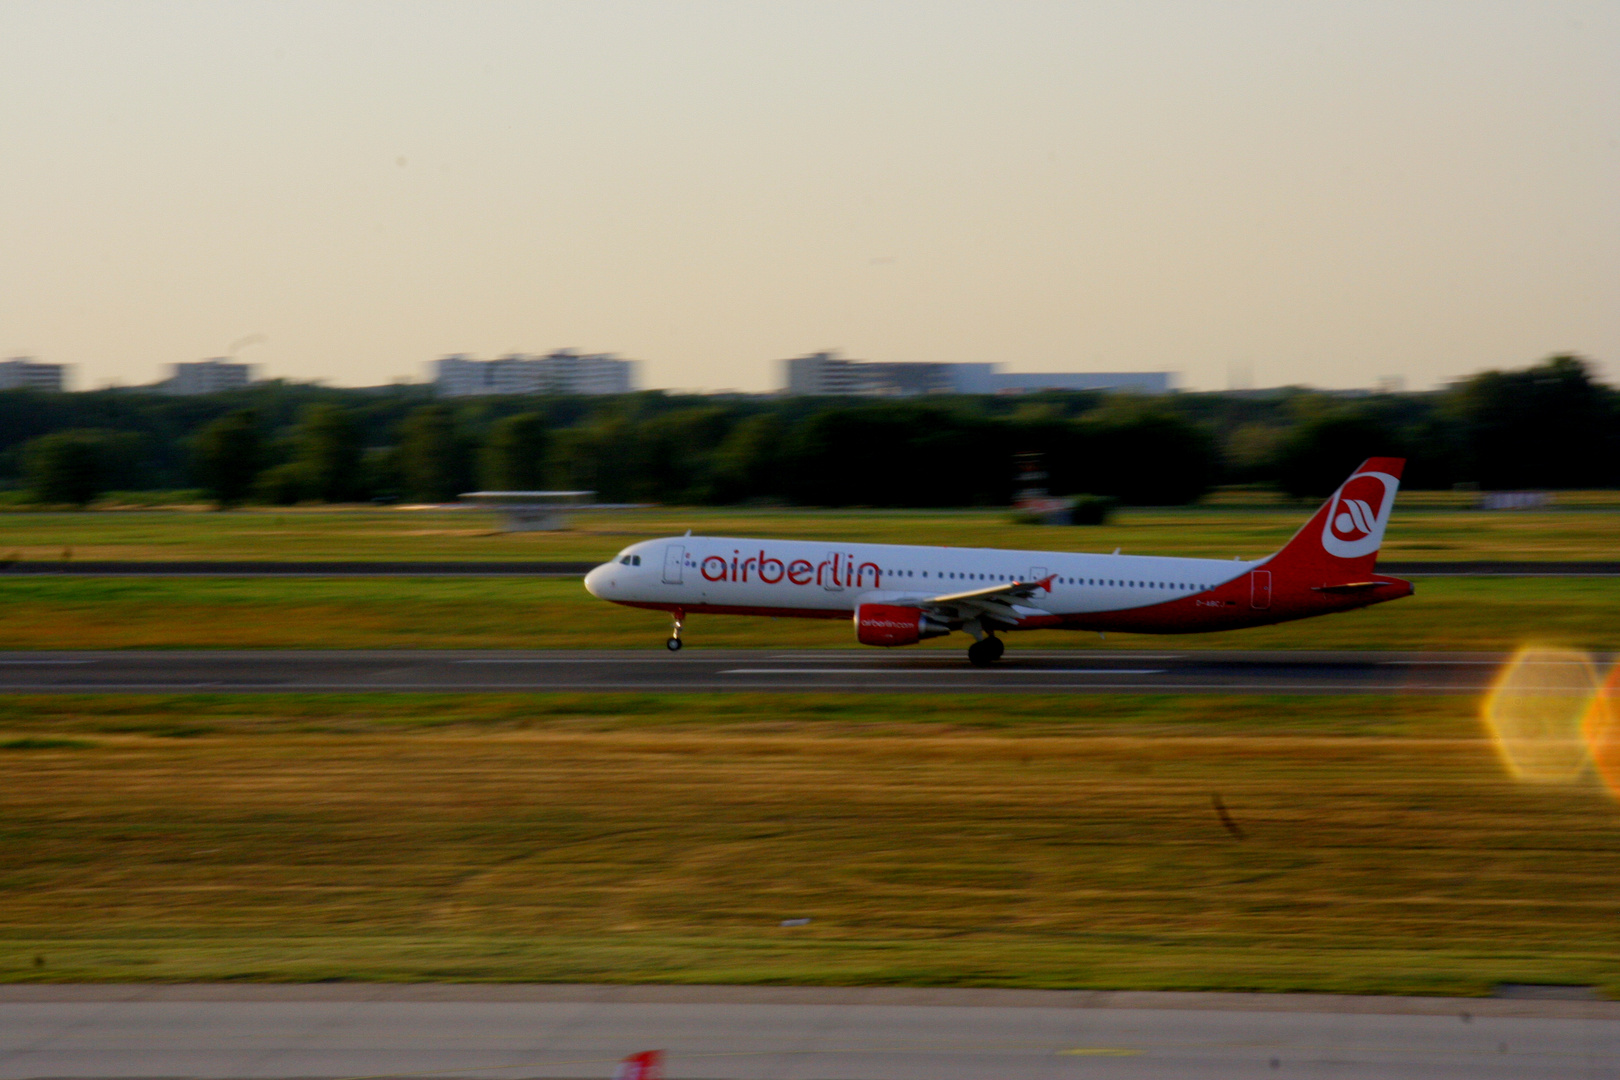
{"points": [[1537, 712], [1602, 730]]}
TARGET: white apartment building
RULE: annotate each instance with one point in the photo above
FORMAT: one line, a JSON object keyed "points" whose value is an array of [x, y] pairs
{"points": [[561, 372], [826, 373], [206, 377], [26, 373]]}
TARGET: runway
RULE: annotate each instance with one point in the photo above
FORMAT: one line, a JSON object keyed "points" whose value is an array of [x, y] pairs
{"points": [[722, 1033], [720, 670], [577, 569]]}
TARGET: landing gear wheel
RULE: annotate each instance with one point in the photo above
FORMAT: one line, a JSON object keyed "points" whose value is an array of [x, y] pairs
{"points": [[986, 652], [673, 644]]}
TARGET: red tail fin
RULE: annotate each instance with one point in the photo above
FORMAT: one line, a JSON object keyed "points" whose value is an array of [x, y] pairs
{"points": [[647, 1065], [1340, 543]]}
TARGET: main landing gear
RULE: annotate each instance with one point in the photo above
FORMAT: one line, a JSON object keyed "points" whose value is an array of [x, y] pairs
{"points": [[986, 651], [674, 642]]}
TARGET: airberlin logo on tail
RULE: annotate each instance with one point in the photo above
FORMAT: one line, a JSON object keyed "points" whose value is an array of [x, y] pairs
{"points": [[1360, 510], [1354, 517]]}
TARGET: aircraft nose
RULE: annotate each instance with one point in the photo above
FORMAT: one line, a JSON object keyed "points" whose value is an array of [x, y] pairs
{"points": [[596, 579]]}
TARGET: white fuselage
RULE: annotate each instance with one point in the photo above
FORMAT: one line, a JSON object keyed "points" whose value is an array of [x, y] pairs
{"points": [[826, 580]]}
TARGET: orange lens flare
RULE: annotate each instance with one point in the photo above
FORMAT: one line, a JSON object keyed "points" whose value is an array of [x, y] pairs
{"points": [[1537, 713], [1603, 731]]}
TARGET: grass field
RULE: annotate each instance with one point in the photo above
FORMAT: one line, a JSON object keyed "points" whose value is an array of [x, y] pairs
{"points": [[1219, 531], [1375, 845], [456, 613]]}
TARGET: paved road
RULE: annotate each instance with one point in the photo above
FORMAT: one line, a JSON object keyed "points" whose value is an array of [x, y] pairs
{"points": [[258, 568], [733, 1032], [844, 670]]}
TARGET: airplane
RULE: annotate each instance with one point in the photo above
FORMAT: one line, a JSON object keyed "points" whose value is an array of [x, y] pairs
{"points": [[899, 594]]}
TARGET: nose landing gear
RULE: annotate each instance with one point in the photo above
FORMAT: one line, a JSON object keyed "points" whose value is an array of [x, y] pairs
{"points": [[674, 642], [986, 651]]}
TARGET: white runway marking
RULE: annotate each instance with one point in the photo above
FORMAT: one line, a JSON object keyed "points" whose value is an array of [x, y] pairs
{"points": [[879, 658], [650, 658], [944, 671]]}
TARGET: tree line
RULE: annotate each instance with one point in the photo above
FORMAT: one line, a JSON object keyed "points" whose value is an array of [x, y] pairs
{"points": [[1551, 425]]}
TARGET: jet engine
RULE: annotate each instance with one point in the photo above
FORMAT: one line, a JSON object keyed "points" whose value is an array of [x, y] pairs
{"points": [[889, 624]]}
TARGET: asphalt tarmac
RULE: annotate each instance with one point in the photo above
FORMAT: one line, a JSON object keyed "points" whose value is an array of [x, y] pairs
{"points": [[654, 669], [333, 568], [721, 1033]]}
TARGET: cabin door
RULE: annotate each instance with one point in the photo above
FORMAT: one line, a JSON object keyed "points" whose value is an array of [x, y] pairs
{"points": [[1260, 590], [834, 565], [674, 557]]}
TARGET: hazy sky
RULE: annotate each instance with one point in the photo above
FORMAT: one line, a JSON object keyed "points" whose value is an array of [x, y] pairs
{"points": [[1323, 193]]}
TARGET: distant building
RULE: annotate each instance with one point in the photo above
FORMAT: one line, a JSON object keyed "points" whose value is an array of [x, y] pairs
{"points": [[826, 373], [568, 372], [25, 373], [1140, 382], [823, 373], [562, 372], [461, 376], [206, 377]]}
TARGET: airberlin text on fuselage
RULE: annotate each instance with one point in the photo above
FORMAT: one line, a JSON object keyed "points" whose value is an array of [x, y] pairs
{"points": [[837, 570]]}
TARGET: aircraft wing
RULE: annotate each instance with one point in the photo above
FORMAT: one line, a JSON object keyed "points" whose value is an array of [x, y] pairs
{"points": [[996, 601], [1020, 590]]}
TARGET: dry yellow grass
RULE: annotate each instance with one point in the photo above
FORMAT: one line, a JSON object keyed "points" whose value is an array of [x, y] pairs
{"points": [[1376, 844]]}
